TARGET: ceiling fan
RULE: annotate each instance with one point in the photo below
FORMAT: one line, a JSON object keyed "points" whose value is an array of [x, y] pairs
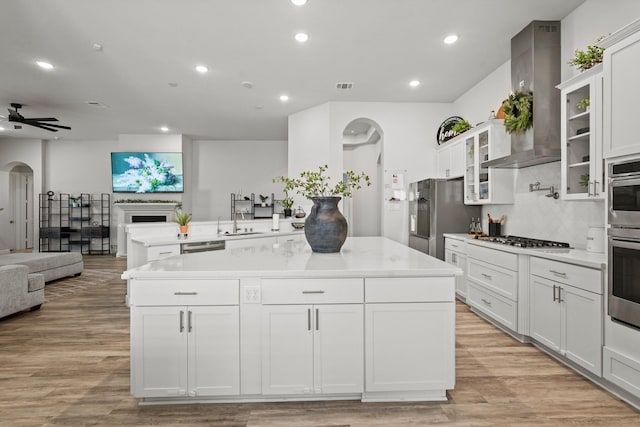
{"points": [[39, 122]]}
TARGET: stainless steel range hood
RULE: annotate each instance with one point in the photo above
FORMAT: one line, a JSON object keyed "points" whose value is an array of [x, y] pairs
{"points": [[535, 66]]}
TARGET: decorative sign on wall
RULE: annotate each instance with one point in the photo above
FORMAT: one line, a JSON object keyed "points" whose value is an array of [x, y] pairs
{"points": [[445, 130]]}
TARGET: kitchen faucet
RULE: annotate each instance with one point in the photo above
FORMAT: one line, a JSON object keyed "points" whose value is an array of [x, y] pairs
{"points": [[235, 224], [219, 225]]}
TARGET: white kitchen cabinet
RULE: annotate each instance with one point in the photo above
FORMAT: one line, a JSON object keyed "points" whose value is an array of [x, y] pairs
{"points": [[253, 244], [312, 349], [582, 166], [621, 87], [450, 157], [455, 254], [487, 185], [566, 311], [185, 351]]}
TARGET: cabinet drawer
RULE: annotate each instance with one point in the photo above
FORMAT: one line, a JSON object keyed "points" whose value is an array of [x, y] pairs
{"points": [[499, 280], [410, 289], [455, 245], [499, 308], [184, 292], [588, 279], [163, 251], [312, 291], [493, 256]]}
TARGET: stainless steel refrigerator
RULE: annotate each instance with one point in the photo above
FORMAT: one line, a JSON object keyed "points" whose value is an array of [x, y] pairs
{"points": [[436, 206]]}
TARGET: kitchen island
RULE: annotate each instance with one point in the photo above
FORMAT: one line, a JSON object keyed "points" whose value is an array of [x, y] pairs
{"points": [[375, 322]]}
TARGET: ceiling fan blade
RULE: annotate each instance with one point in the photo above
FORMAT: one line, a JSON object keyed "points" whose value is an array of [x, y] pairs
{"points": [[45, 127], [42, 119], [34, 122]]}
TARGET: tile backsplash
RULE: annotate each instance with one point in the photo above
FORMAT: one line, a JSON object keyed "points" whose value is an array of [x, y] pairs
{"points": [[534, 215]]}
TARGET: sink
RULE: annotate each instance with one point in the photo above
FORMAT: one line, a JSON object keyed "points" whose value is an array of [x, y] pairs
{"points": [[245, 233]]}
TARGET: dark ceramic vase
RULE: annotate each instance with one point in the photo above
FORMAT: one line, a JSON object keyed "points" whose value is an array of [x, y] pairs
{"points": [[287, 212], [325, 228]]}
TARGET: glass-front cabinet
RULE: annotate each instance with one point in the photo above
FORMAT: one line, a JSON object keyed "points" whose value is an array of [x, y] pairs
{"points": [[581, 136], [487, 185]]}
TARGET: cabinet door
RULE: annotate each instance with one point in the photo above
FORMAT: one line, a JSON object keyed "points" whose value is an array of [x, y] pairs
{"points": [[443, 158], [338, 348], [583, 323], [471, 170], [158, 351], [214, 350], [545, 313], [457, 159], [621, 87], [461, 281], [287, 349], [409, 346]]}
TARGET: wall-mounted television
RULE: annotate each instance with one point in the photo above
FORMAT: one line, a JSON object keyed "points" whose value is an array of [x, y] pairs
{"points": [[150, 172]]}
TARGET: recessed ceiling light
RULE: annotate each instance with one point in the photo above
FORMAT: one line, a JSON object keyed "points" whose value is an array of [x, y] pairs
{"points": [[247, 84], [299, 2], [164, 129], [44, 65], [450, 39], [414, 83], [301, 37], [201, 69], [284, 98]]}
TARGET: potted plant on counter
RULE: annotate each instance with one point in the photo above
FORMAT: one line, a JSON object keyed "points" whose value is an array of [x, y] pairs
{"points": [[325, 228], [182, 219]]}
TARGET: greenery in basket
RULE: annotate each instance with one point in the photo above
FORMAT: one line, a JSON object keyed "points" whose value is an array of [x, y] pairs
{"points": [[583, 104], [461, 126], [182, 218], [316, 184], [518, 110], [585, 59]]}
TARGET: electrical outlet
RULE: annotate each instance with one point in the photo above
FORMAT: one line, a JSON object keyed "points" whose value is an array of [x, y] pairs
{"points": [[251, 295]]}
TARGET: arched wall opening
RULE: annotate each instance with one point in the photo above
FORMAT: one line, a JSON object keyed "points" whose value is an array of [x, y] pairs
{"points": [[17, 207]]}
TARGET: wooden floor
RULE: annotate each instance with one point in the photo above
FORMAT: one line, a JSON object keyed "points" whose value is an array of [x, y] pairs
{"points": [[68, 365]]}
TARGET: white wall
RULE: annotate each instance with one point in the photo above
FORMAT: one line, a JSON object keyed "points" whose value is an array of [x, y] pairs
{"points": [[225, 167], [365, 205]]}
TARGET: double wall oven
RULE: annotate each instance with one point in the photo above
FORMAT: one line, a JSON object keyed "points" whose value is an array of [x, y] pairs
{"points": [[624, 242]]}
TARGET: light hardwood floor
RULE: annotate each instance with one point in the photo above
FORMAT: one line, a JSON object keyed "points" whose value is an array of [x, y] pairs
{"points": [[68, 365]]}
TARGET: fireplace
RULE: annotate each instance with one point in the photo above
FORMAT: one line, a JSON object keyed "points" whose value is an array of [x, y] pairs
{"points": [[148, 218], [137, 213]]}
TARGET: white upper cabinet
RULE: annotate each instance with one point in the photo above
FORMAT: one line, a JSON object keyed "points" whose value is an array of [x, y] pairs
{"points": [[581, 136], [486, 185], [621, 88], [451, 159]]}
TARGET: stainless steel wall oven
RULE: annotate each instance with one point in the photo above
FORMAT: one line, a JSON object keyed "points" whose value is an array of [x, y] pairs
{"points": [[624, 242]]}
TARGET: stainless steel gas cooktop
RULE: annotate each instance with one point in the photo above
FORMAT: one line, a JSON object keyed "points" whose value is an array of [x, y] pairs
{"points": [[526, 242]]}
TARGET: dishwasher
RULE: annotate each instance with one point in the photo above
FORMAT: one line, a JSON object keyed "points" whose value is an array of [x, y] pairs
{"points": [[211, 245]]}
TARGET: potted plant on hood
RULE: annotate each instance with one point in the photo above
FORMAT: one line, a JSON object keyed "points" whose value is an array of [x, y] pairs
{"points": [[182, 219], [325, 228]]}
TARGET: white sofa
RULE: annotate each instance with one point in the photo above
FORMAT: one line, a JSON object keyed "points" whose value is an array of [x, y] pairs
{"points": [[19, 290], [52, 265]]}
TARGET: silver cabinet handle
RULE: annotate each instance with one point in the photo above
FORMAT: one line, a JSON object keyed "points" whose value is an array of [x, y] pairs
{"points": [[189, 320], [454, 246], [166, 253], [313, 292], [589, 189], [486, 276], [181, 321], [185, 293], [558, 273], [595, 188], [317, 319], [560, 295], [554, 293], [453, 258], [308, 319], [486, 302]]}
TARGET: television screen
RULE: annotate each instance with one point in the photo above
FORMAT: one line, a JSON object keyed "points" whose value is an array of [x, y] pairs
{"points": [[146, 172]]}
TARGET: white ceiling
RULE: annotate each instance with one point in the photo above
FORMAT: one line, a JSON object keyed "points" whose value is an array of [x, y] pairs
{"points": [[379, 45]]}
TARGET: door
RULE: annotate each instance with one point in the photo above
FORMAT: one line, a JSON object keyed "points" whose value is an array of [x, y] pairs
{"points": [[545, 314], [287, 349], [338, 348], [214, 350], [582, 320], [400, 346], [22, 189], [159, 351]]}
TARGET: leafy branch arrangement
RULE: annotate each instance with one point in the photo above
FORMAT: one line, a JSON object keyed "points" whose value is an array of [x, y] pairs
{"points": [[518, 111], [585, 59], [316, 184]]}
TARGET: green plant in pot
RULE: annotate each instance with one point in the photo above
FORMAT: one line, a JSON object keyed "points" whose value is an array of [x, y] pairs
{"points": [[583, 104], [182, 219], [585, 59], [461, 126], [264, 199], [325, 227]]}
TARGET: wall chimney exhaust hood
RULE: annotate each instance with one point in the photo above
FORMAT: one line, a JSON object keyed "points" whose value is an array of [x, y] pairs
{"points": [[535, 66]]}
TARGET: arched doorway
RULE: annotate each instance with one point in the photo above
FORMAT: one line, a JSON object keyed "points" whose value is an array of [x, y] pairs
{"points": [[362, 142], [16, 207]]}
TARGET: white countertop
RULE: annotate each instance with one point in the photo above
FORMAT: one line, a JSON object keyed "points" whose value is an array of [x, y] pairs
{"points": [[359, 257], [572, 256], [174, 239]]}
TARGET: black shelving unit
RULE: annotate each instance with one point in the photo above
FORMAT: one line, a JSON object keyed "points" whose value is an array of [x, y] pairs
{"points": [[80, 224], [241, 207], [264, 211]]}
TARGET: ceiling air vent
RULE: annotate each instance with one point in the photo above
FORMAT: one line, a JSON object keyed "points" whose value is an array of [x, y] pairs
{"points": [[344, 85], [96, 104]]}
